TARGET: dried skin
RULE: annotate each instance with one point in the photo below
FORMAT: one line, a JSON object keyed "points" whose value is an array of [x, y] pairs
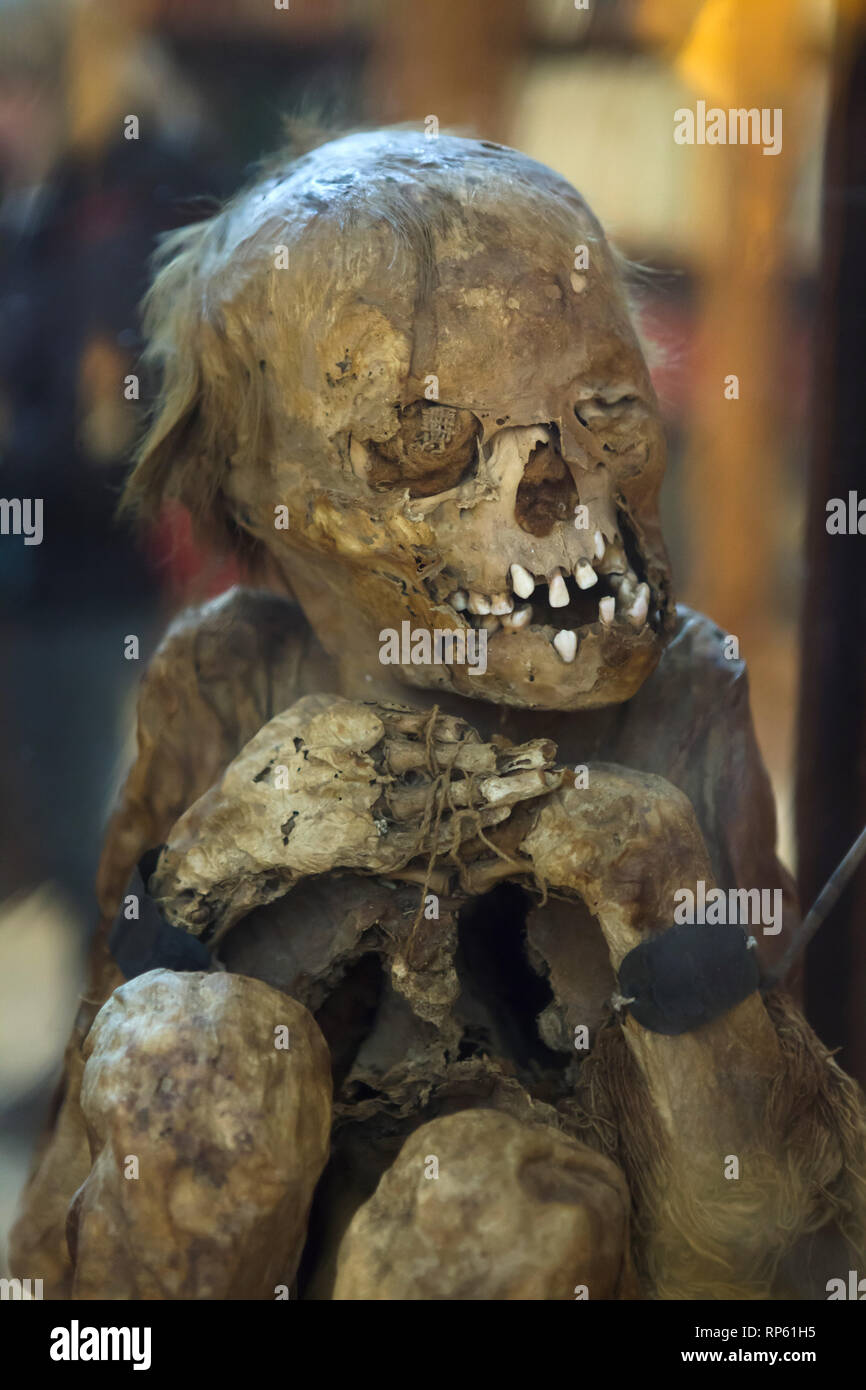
{"points": [[229, 1132], [37, 1240], [389, 387], [564, 944], [516, 1212], [624, 846], [315, 791], [736, 831], [218, 674], [306, 387]]}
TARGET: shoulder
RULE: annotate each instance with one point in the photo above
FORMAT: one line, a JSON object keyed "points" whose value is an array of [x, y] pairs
{"points": [[240, 629], [699, 646], [221, 671], [701, 676], [691, 722], [246, 655]]}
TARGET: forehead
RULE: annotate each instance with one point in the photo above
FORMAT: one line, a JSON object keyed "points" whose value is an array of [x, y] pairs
{"points": [[520, 313], [506, 317], [451, 270]]}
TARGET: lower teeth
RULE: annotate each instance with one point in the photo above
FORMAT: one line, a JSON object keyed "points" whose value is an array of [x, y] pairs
{"points": [[565, 643], [521, 617]]}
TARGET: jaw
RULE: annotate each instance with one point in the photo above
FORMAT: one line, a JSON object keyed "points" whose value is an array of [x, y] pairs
{"points": [[349, 605], [525, 671], [578, 622]]}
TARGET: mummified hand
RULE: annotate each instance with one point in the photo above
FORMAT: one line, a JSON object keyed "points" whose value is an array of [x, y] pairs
{"points": [[336, 784]]}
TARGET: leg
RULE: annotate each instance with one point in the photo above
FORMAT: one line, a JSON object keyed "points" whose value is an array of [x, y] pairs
{"points": [[478, 1206], [207, 1099]]}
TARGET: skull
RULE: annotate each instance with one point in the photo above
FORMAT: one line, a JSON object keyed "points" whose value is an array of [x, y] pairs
{"points": [[420, 353]]}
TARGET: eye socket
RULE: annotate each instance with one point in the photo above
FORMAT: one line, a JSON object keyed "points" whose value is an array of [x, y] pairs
{"points": [[616, 419], [599, 408], [431, 451]]}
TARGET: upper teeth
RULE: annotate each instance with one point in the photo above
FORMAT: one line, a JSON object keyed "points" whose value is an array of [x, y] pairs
{"points": [[585, 574], [522, 581], [631, 602], [557, 593]]}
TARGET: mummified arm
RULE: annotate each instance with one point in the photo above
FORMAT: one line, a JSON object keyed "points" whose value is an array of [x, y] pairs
{"points": [[726, 1175], [691, 723], [336, 784]]}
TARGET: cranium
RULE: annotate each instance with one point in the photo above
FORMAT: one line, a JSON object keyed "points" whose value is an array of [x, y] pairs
{"points": [[389, 338]]}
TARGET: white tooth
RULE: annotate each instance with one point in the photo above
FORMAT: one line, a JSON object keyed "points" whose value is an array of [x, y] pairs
{"points": [[522, 581], [478, 603], [585, 574], [500, 604], [459, 600], [521, 617], [606, 610], [566, 644], [490, 624], [359, 458], [557, 593], [598, 543], [638, 611]]}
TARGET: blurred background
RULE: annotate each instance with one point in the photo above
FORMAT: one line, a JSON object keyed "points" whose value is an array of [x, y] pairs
{"points": [[119, 122]]}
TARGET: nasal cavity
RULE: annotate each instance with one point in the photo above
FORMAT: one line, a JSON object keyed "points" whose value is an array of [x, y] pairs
{"points": [[546, 494]]}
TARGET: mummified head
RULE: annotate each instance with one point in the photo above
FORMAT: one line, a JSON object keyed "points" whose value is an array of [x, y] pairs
{"points": [[407, 369]]}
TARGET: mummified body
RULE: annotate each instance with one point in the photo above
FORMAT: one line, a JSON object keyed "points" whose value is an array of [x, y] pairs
{"points": [[402, 376]]}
